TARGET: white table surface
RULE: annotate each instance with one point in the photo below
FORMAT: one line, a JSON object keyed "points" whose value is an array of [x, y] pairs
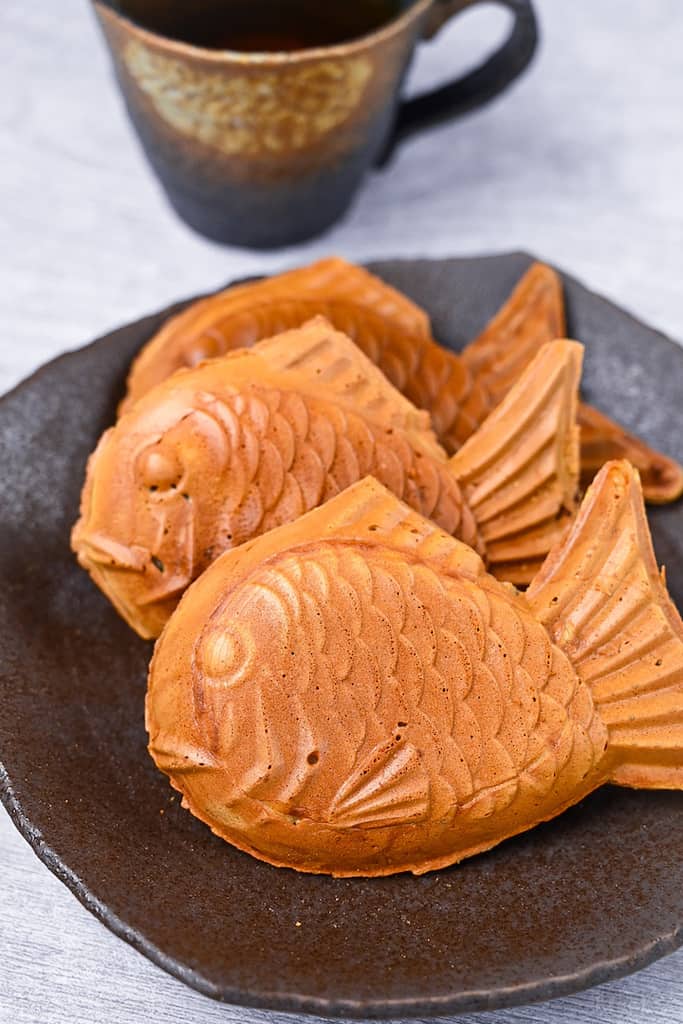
{"points": [[581, 163]]}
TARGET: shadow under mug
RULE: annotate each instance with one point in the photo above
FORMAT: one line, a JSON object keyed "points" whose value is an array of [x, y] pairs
{"points": [[267, 149]]}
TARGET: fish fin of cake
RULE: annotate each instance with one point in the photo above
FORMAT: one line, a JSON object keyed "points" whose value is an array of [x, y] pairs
{"points": [[328, 280], [603, 600], [334, 278], [603, 440], [367, 513], [519, 472], [389, 787], [532, 316], [332, 364]]}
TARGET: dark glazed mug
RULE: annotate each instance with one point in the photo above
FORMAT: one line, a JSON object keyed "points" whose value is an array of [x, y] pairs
{"points": [[264, 149]]}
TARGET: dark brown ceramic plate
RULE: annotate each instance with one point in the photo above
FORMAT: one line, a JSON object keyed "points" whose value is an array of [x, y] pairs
{"points": [[594, 894]]}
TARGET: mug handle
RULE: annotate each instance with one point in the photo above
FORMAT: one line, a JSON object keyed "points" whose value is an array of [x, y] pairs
{"points": [[474, 89]]}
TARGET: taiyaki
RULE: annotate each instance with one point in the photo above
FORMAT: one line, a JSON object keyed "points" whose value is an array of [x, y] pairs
{"points": [[459, 391], [216, 455], [353, 694]]}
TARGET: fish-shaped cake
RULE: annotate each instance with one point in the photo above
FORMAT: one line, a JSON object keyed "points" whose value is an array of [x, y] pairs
{"points": [[353, 694], [458, 390], [214, 456]]}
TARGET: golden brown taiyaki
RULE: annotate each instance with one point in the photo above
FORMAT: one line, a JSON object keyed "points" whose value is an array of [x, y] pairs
{"points": [[373, 314], [459, 391], [353, 694], [215, 456]]}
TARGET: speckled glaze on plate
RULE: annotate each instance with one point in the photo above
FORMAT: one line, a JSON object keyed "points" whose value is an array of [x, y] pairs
{"points": [[592, 895]]}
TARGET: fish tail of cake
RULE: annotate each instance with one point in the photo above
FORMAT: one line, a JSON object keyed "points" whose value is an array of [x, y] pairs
{"points": [[605, 602], [520, 471], [603, 440], [533, 315]]}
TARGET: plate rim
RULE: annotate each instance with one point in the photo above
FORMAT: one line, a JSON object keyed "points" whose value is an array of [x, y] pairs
{"points": [[541, 989]]}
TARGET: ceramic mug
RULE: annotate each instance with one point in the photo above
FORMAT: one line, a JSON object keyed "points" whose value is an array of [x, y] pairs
{"points": [[265, 149]]}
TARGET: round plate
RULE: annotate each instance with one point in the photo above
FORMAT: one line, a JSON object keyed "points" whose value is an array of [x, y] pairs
{"points": [[593, 894]]}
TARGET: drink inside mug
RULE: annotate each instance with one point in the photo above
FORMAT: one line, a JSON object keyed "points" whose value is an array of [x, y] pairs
{"points": [[251, 26]]}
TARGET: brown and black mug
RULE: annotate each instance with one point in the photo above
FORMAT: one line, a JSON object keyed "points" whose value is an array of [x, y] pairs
{"points": [[261, 117]]}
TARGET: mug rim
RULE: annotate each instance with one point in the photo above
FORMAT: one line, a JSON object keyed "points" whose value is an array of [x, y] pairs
{"points": [[266, 57]]}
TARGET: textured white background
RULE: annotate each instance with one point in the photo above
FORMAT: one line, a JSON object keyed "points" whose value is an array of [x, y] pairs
{"points": [[581, 163]]}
